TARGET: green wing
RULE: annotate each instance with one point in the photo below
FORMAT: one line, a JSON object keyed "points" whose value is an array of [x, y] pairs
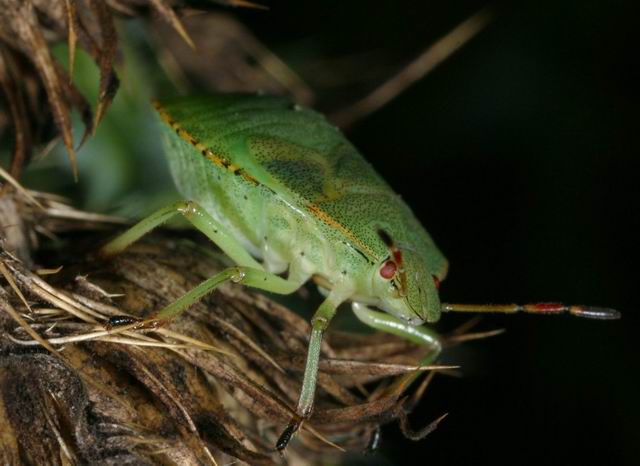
{"points": [[316, 176], [311, 160], [297, 153]]}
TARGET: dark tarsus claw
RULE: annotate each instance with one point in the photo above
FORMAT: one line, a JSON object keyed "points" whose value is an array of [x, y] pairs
{"points": [[120, 321], [137, 323], [287, 435]]}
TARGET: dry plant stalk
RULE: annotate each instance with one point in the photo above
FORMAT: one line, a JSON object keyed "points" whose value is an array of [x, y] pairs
{"points": [[217, 385]]}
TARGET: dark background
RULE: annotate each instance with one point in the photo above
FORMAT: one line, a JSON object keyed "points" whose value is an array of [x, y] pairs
{"points": [[519, 154]]}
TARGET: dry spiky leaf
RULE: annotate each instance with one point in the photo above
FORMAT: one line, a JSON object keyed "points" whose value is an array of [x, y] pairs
{"points": [[109, 42], [17, 108], [248, 64], [72, 36], [164, 8], [19, 27], [29, 27]]}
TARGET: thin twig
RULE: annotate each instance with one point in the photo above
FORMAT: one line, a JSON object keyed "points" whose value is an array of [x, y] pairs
{"points": [[416, 70]]}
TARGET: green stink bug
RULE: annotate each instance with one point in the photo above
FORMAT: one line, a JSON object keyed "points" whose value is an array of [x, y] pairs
{"points": [[280, 190]]}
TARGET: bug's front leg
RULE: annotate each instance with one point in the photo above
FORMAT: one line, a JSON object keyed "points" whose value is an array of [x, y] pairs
{"points": [[319, 323], [421, 335]]}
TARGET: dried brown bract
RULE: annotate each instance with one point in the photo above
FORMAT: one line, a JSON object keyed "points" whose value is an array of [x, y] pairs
{"points": [[37, 90], [216, 385]]}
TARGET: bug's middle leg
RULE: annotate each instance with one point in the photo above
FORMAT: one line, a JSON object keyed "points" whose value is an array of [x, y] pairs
{"points": [[247, 276], [319, 323], [249, 272]]}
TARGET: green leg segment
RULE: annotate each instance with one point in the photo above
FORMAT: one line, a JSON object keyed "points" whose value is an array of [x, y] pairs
{"points": [[242, 275], [249, 272], [386, 322], [199, 218], [378, 320], [319, 323], [421, 335]]}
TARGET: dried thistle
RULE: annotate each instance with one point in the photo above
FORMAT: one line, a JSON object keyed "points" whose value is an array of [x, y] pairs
{"points": [[219, 383], [216, 385]]}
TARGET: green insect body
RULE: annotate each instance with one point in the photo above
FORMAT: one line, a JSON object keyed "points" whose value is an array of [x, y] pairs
{"points": [[285, 195], [302, 199]]}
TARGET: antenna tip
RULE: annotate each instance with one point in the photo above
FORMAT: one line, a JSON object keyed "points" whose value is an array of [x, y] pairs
{"points": [[591, 312]]}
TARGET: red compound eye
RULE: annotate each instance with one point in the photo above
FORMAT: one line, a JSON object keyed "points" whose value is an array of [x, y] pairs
{"points": [[436, 281], [388, 270]]}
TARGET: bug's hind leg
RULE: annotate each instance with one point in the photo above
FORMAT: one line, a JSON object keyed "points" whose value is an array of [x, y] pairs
{"points": [[199, 218], [319, 323]]}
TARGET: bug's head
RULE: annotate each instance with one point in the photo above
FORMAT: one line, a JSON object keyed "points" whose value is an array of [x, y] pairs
{"points": [[404, 287]]}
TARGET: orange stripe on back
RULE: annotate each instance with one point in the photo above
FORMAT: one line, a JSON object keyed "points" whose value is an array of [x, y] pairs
{"points": [[219, 160], [224, 163], [329, 220]]}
